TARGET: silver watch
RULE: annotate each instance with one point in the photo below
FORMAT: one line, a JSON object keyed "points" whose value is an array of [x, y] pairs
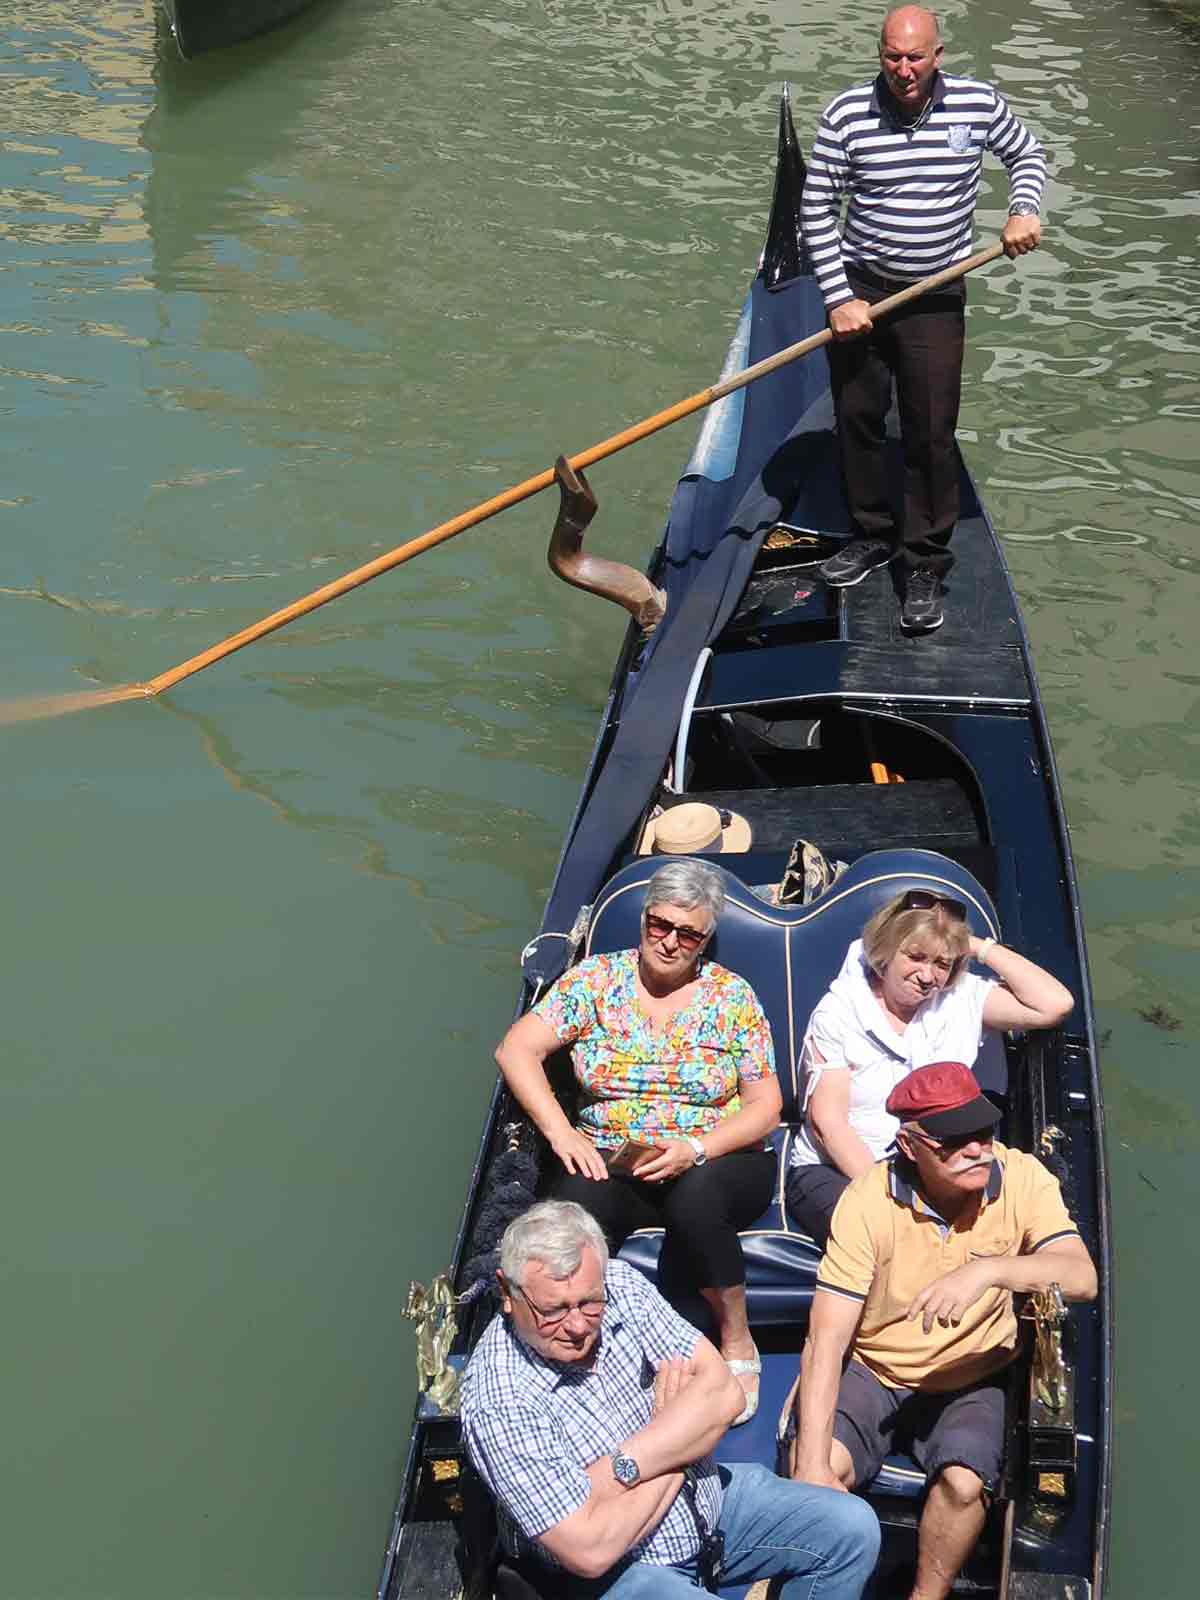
{"points": [[697, 1150], [1023, 208], [626, 1470]]}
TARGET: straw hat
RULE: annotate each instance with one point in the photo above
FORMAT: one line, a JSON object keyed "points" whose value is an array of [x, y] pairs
{"points": [[694, 827]]}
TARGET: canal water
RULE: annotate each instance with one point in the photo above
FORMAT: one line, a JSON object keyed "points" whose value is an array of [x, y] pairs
{"points": [[270, 313]]}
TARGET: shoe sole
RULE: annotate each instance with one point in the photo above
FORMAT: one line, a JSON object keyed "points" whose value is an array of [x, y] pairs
{"points": [[921, 627], [849, 583]]}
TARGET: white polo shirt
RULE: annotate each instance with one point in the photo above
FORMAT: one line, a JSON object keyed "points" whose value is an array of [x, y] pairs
{"points": [[849, 1029]]}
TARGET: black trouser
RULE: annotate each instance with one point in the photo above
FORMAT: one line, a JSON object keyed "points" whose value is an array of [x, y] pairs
{"points": [[812, 1193], [921, 348], [701, 1211]]}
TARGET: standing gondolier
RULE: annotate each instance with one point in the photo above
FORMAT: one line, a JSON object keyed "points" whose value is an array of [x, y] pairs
{"points": [[906, 151]]}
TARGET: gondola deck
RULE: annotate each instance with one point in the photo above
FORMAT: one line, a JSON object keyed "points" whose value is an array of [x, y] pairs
{"points": [[771, 695]]}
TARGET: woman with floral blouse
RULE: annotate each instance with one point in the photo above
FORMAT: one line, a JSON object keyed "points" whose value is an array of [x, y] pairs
{"points": [[670, 1051]]}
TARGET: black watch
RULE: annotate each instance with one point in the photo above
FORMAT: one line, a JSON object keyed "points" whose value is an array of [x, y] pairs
{"points": [[626, 1470], [1024, 208]]}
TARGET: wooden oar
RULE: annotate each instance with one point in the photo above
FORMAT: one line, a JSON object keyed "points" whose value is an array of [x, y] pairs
{"points": [[498, 503]]}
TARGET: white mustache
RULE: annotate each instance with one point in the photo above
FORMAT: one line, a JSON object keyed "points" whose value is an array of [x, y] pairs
{"points": [[984, 1164]]}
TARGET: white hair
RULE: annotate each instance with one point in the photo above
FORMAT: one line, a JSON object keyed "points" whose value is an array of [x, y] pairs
{"points": [[554, 1232], [688, 884]]}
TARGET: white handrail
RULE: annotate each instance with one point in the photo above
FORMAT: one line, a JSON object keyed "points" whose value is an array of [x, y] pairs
{"points": [[685, 721]]}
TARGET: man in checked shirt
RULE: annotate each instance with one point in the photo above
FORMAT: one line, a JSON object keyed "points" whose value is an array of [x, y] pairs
{"points": [[590, 1408]]}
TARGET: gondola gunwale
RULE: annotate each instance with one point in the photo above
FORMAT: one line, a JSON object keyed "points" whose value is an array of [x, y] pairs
{"points": [[1104, 1253]]}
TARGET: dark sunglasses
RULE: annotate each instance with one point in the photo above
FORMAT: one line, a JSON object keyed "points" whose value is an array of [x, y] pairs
{"points": [[689, 938], [956, 1141], [926, 900]]}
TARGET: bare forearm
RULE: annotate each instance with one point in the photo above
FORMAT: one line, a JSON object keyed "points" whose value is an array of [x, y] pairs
{"points": [[843, 1146], [526, 1077], [820, 1376], [614, 1519], [690, 1427], [1073, 1273], [1030, 984]]}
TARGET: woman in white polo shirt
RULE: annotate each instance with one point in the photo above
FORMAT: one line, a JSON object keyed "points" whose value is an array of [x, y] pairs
{"points": [[904, 998]]}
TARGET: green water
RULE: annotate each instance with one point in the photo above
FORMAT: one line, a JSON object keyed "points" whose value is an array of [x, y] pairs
{"points": [[268, 314]]}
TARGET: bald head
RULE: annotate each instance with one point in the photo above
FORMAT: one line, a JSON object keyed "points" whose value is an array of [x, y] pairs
{"points": [[910, 53], [907, 18]]}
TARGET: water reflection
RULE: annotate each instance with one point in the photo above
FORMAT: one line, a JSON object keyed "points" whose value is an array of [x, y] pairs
{"points": [[204, 166]]}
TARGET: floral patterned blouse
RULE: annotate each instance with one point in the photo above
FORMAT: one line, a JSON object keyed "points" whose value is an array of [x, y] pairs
{"points": [[654, 1086]]}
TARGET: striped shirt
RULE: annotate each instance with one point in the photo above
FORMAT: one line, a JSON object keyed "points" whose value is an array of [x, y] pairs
{"points": [[533, 1426], [912, 187]]}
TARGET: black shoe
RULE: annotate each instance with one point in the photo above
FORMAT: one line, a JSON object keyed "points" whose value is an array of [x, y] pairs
{"points": [[854, 561], [922, 609]]}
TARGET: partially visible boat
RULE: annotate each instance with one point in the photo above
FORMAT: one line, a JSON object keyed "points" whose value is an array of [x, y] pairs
{"points": [[201, 25]]}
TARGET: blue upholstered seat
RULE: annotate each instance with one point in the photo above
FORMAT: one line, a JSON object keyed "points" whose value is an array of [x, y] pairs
{"points": [[790, 955]]}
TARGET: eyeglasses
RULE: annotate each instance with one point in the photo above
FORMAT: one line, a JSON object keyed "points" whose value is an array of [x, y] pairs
{"points": [[591, 1309], [926, 900], [955, 1142], [659, 928]]}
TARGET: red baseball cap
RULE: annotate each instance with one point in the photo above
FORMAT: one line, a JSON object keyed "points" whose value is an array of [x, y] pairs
{"points": [[943, 1098]]}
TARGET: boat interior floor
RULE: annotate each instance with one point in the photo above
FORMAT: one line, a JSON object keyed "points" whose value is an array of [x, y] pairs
{"points": [[851, 638]]}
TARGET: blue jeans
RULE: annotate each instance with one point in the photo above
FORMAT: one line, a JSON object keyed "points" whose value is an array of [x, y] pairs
{"points": [[822, 1542]]}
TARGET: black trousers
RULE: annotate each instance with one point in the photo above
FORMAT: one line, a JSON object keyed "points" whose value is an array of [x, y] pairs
{"points": [[920, 349], [812, 1193], [701, 1211]]}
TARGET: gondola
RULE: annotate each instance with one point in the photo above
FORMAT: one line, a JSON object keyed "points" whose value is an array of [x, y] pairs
{"points": [[918, 762], [202, 25]]}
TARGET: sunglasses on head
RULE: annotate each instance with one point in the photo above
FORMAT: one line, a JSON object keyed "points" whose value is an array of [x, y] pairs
{"points": [[926, 900], [659, 928]]}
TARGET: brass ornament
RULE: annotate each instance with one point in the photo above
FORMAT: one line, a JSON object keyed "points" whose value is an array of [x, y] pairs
{"points": [[432, 1311]]}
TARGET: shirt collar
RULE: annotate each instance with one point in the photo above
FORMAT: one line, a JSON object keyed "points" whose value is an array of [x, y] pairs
{"points": [[904, 1189], [883, 104], [866, 1006]]}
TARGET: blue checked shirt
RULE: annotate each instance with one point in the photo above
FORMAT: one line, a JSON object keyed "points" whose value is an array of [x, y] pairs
{"points": [[532, 1426]]}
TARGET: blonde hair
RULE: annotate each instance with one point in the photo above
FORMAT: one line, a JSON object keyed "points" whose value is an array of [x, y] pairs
{"points": [[892, 927]]}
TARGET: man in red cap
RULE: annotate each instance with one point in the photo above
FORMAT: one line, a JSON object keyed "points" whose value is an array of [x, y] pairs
{"points": [[925, 1253]]}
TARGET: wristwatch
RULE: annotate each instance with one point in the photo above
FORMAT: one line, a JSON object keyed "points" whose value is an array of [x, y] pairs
{"points": [[1023, 208], [697, 1150], [626, 1470]]}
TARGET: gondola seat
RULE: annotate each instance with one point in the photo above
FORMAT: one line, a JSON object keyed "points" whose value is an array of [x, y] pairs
{"points": [[790, 955]]}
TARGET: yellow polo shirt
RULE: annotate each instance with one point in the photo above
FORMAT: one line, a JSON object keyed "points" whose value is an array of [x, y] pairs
{"points": [[886, 1244]]}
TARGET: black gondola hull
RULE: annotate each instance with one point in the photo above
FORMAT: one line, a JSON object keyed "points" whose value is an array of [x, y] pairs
{"points": [[757, 660], [203, 25]]}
